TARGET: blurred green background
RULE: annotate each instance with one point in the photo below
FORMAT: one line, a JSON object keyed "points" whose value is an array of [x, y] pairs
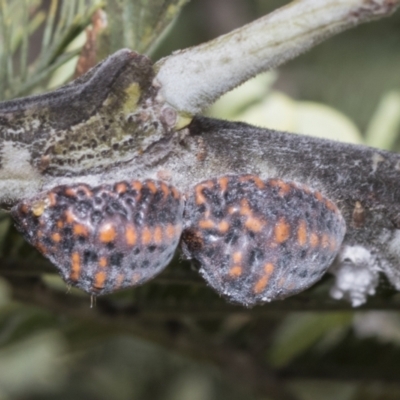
{"points": [[173, 338]]}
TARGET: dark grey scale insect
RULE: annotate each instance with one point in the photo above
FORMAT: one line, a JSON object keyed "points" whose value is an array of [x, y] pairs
{"points": [[107, 237], [257, 241]]}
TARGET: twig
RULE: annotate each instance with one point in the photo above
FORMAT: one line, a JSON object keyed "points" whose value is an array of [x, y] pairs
{"points": [[192, 79]]}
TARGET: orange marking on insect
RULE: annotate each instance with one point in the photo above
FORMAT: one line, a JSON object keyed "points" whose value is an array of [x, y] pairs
{"points": [[200, 199], [235, 271], [130, 235], [56, 237], [99, 280], [41, 248], [121, 187], [284, 188], [259, 182], [69, 216], [314, 239], [206, 224], [325, 240], [305, 188], [330, 206], [263, 281], [170, 231], [175, 193], [223, 183], [165, 189], [282, 231], [80, 230], [103, 262], [319, 196], [237, 257], [75, 266], [70, 191], [87, 191], [223, 226], [255, 179], [107, 233], [254, 224], [60, 224], [158, 235], [151, 185], [136, 185], [302, 233], [52, 199], [146, 235], [119, 280], [245, 208]]}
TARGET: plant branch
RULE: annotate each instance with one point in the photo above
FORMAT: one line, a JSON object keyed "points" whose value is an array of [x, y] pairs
{"points": [[193, 79]]}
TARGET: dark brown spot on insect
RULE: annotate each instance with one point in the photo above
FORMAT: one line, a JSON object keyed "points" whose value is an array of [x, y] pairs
{"points": [[201, 154], [44, 163], [358, 217]]}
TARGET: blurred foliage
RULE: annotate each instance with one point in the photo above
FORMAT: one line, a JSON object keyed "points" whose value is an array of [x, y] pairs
{"points": [[38, 37], [139, 25], [20, 21], [52, 345]]}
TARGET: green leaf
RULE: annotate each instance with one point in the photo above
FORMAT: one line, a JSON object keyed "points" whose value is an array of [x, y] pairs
{"points": [[300, 331], [139, 24]]}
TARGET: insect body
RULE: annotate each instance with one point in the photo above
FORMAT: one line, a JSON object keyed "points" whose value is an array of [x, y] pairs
{"points": [[258, 241], [104, 238], [255, 241]]}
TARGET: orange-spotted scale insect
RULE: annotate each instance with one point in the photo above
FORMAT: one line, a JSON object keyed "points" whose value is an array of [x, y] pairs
{"points": [[257, 241], [104, 238], [254, 240]]}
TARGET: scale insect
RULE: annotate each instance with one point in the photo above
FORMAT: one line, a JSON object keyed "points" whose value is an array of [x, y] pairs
{"points": [[255, 240]]}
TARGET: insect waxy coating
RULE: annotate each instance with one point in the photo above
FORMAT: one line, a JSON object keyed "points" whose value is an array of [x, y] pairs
{"points": [[104, 238], [257, 240]]}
